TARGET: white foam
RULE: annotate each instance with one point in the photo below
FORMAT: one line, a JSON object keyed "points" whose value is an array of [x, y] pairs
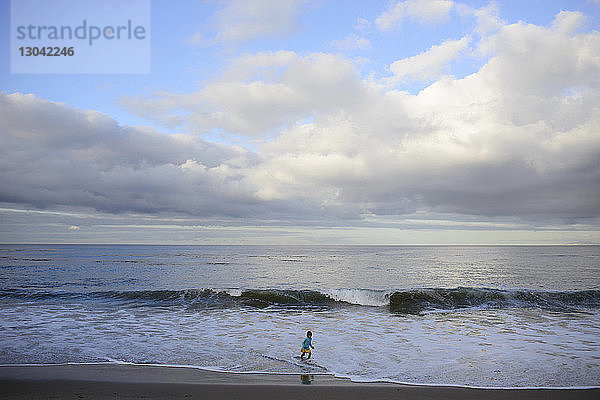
{"points": [[233, 292], [472, 348], [363, 297]]}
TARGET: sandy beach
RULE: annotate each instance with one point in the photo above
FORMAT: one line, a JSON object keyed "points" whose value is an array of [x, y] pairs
{"points": [[148, 382]]}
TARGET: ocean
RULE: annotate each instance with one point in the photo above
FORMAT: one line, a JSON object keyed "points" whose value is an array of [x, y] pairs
{"points": [[478, 316]]}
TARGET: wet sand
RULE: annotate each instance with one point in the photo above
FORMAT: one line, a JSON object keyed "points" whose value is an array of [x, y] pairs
{"points": [[148, 382]]}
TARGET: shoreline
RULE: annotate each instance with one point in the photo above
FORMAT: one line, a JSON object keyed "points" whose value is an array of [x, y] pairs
{"points": [[103, 381], [263, 373]]}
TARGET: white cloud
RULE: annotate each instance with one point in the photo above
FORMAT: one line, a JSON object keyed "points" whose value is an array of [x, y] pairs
{"points": [[429, 64], [244, 20], [543, 61], [197, 39], [260, 94], [362, 24], [568, 21], [487, 18], [422, 11], [492, 143], [350, 43]]}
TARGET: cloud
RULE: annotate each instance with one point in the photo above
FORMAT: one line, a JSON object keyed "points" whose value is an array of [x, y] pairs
{"points": [[521, 53], [568, 21], [244, 20], [421, 11], [53, 155], [362, 24], [197, 39], [429, 64], [516, 140], [260, 94], [351, 42], [430, 12], [487, 18]]}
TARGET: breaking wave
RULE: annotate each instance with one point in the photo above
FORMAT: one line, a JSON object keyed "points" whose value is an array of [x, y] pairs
{"points": [[412, 301], [416, 301]]}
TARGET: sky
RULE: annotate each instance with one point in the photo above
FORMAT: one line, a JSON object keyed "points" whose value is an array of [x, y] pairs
{"points": [[415, 122]]}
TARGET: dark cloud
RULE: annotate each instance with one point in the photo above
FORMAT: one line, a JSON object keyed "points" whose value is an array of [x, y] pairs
{"points": [[53, 155]]}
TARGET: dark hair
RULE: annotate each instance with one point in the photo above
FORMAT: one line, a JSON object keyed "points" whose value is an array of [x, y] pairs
{"points": [[309, 333]]}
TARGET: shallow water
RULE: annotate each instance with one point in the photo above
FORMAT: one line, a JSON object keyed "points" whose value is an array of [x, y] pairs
{"points": [[523, 316]]}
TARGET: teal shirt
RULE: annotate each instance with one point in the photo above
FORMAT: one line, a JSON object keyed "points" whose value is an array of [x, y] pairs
{"points": [[307, 343]]}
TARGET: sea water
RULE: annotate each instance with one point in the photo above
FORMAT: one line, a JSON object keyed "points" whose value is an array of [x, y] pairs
{"points": [[513, 316]]}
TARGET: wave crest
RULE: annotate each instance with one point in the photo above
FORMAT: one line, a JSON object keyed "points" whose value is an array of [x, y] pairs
{"points": [[418, 300], [413, 301]]}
